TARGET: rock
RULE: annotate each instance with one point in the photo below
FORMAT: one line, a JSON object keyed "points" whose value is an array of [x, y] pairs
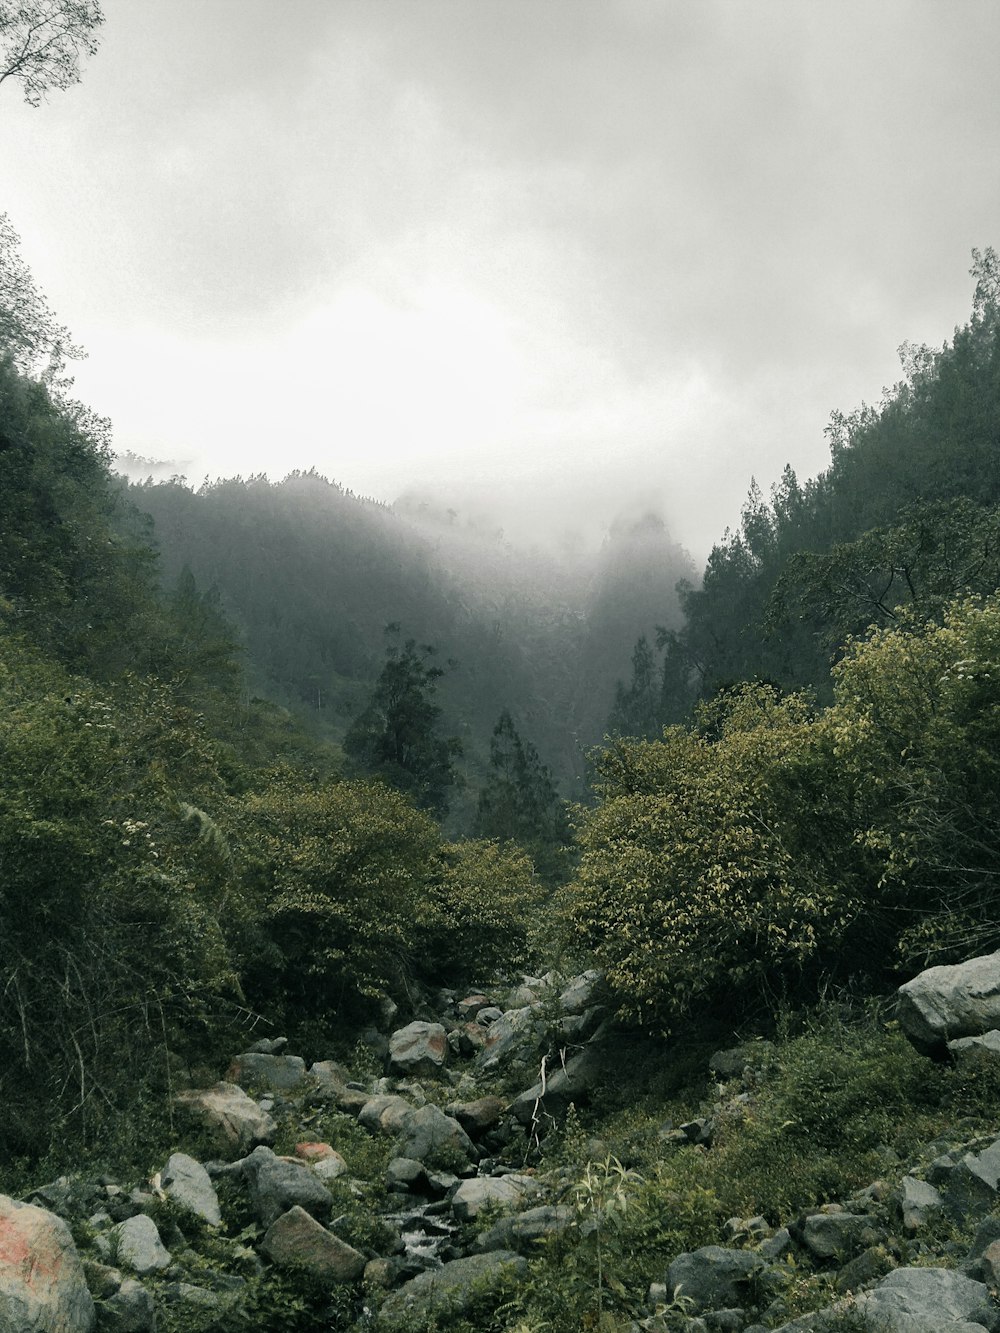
{"points": [[405, 1172], [42, 1284], [473, 1195], [488, 1016], [863, 1269], [235, 1122], [836, 1235], [419, 1048], [276, 1073], [297, 1240], [329, 1081], [972, 1186], [187, 1182], [477, 1117], [713, 1277], [385, 1114], [944, 1003], [523, 1231], [471, 1005], [581, 992], [131, 1309], [567, 1083], [917, 1201], [277, 1184], [964, 1049], [452, 1285], [429, 1135], [924, 1300], [512, 1035], [137, 1246], [330, 1168], [268, 1046]]}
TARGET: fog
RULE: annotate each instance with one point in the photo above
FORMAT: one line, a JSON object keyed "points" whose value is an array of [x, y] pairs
{"points": [[541, 261]]}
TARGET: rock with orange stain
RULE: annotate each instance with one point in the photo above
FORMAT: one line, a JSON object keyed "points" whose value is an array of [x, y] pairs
{"points": [[42, 1287]]}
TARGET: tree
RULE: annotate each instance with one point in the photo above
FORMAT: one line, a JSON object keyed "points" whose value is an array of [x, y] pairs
{"points": [[519, 802], [29, 333], [396, 736], [637, 710], [41, 42]]}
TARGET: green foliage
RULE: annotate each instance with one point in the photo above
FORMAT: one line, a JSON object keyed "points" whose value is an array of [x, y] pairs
{"points": [[519, 802], [702, 872], [337, 873], [395, 737], [478, 908]]}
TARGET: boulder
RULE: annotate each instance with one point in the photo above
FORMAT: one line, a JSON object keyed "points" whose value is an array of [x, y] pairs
{"points": [[276, 1073], [965, 1049], [418, 1049], [523, 1231], [453, 1284], [42, 1285], [473, 1195], [297, 1240], [131, 1309], [278, 1183], [137, 1246], [944, 1003], [925, 1300], [918, 1200], [511, 1036], [836, 1235], [329, 1081], [386, 1113], [567, 1083], [187, 1182], [477, 1117], [713, 1277], [581, 992], [235, 1123], [973, 1183], [330, 1168], [429, 1135]]}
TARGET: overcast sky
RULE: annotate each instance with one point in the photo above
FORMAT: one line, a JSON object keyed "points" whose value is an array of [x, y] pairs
{"points": [[539, 252]]}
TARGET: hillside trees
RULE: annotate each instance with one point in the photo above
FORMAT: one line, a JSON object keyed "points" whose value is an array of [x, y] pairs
{"points": [[396, 736], [519, 802], [769, 848]]}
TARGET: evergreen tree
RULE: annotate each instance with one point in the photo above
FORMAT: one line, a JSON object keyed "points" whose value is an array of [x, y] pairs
{"points": [[637, 710], [520, 803], [396, 736]]}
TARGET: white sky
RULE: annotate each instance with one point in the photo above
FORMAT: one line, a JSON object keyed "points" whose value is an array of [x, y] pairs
{"points": [[555, 255]]}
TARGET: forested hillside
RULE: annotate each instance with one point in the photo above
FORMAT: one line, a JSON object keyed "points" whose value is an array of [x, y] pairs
{"points": [[311, 575]]}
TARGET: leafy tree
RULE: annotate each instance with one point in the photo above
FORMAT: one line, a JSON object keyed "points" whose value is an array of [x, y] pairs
{"points": [[396, 736], [638, 707], [42, 41], [704, 872], [519, 801]]}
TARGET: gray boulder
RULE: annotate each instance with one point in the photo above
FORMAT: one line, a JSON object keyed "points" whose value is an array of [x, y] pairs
{"points": [[187, 1182], [418, 1049], [925, 1300], [972, 1185], [278, 1183], [137, 1246], [429, 1135], [582, 992], [918, 1201], [836, 1235], [42, 1284], [944, 1003], [131, 1309], [329, 1081], [235, 1123], [523, 1231], [275, 1073], [964, 1049], [713, 1277], [453, 1284], [477, 1117], [386, 1113], [297, 1240], [567, 1083], [473, 1195]]}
